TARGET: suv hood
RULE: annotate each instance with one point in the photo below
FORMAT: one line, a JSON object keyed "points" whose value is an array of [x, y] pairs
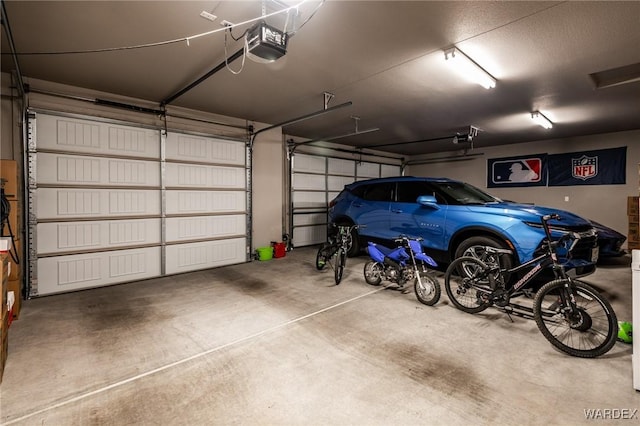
{"points": [[530, 213]]}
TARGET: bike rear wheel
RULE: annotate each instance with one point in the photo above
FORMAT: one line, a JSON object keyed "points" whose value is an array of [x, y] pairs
{"points": [[428, 289], [467, 285], [588, 331], [341, 260], [373, 272]]}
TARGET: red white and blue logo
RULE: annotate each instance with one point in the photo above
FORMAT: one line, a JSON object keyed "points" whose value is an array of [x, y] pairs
{"points": [[584, 167], [516, 171]]}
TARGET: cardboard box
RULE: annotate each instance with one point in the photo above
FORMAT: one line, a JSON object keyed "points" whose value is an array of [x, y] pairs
{"points": [[633, 206], [634, 232], [9, 172], [633, 245], [15, 269], [16, 287]]}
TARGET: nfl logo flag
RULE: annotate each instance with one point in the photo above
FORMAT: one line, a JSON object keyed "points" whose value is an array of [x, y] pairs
{"points": [[601, 167], [584, 167]]}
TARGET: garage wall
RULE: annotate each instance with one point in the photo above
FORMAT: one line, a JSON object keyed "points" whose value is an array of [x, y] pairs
{"points": [[268, 187], [606, 204]]}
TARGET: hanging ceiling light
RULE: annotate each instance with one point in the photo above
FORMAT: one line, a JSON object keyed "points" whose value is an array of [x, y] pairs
{"points": [[541, 120], [469, 69]]}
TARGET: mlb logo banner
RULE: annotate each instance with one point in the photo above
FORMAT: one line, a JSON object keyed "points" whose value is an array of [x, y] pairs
{"points": [[601, 167], [527, 170]]}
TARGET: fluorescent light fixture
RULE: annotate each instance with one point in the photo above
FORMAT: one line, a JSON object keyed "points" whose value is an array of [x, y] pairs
{"points": [[469, 69], [541, 120]]}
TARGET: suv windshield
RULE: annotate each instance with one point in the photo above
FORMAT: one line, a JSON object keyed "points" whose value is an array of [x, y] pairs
{"points": [[462, 193]]}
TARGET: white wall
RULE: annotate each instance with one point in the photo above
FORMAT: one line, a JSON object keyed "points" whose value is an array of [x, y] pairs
{"points": [[268, 188], [606, 204]]}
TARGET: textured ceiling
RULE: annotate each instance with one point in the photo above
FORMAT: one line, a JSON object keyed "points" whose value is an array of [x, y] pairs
{"points": [[385, 57]]}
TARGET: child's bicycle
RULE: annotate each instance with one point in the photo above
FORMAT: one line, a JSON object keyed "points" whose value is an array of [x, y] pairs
{"points": [[335, 250], [571, 315]]}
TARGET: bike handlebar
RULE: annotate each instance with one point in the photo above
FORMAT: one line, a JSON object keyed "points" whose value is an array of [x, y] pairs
{"points": [[351, 227], [548, 217], [402, 238]]}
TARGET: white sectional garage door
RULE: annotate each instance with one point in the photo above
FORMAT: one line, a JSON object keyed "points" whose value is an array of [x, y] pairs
{"points": [[315, 181], [112, 203]]}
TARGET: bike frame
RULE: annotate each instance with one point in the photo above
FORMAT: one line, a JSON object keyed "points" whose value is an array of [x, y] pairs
{"points": [[537, 265], [340, 239]]}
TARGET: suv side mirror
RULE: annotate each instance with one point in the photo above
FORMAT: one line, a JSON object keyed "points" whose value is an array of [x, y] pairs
{"points": [[428, 201]]}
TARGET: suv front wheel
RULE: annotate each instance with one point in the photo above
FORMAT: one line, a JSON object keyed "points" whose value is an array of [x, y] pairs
{"points": [[474, 247]]}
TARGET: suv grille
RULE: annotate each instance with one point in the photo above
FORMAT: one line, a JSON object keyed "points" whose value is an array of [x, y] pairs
{"points": [[584, 247]]}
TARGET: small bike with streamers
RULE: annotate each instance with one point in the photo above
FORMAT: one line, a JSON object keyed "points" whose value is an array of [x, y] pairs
{"points": [[334, 250]]}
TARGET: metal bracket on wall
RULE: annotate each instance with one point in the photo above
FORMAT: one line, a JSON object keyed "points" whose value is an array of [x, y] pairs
{"points": [[327, 98]]}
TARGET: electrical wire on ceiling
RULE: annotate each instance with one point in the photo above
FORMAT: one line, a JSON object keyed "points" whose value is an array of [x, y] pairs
{"points": [[226, 54], [181, 39]]}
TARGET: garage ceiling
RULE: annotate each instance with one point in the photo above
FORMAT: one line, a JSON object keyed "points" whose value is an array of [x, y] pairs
{"points": [[385, 57]]}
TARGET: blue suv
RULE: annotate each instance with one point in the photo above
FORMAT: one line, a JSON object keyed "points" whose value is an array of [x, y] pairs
{"points": [[455, 219]]}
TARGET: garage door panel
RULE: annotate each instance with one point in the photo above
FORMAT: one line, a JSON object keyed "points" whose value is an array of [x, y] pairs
{"points": [[309, 235], [198, 149], [309, 219], [387, 170], [309, 164], [316, 180], [337, 183], [368, 170], [85, 136], [117, 203], [61, 169], [309, 200], [67, 273], [96, 235], [199, 176], [204, 255], [64, 203], [303, 181], [202, 227], [339, 166], [205, 202]]}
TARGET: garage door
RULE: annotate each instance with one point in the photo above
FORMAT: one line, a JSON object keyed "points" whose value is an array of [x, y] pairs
{"points": [[316, 180], [112, 203]]}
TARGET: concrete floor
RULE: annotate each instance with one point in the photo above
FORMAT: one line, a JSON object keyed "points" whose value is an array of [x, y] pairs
{"points": [[277, 343]]}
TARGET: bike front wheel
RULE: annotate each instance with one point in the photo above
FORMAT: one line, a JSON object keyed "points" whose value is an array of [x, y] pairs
{"points": [[467, 285], [373, 272], [427, 289], [587, 330], [341, 260]]}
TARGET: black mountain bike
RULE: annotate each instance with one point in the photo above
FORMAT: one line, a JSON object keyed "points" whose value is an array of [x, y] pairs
{"points": [[571, 315], [336, 248]]}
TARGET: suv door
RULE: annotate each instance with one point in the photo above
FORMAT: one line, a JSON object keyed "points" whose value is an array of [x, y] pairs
{"points": [[413, 219], [371, 208]]}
